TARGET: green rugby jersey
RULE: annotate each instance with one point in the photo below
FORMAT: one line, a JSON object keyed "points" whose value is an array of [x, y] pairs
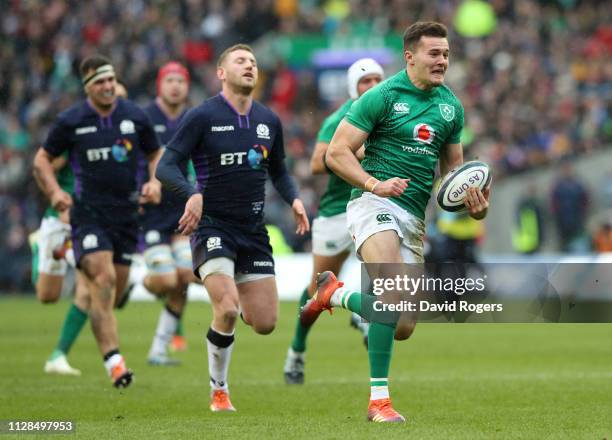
{"points": [[408, 127], [338, 191], [65, 179]]}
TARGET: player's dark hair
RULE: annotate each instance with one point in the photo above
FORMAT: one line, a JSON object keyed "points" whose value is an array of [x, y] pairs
{"points": [[92, 63], [231, 49], [415, 31]]}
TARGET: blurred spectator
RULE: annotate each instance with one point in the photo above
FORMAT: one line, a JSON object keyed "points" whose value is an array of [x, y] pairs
{"points": [[570, 202], [528, 233]]}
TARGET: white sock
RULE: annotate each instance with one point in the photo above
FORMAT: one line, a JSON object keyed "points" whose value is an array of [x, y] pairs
{"points": [[69, 257], [379, 392], [340, 297], [112, 362], [379, 388], [220, 346], [166, 326]]}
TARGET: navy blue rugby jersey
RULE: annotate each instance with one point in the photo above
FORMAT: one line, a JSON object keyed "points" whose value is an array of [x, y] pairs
{"points": [[104, 155], [232, 155], [166, 215]]}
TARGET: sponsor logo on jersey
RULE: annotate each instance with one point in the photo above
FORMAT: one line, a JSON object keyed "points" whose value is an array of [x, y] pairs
{"points": [[213, 243], [383, 218], [85, 130], [447, 111], [90, 241], [417, 150], [424, 133], [401, 107], [222, 128], [159, 128], [127, 127], [120, 149], [263, 131], [232, 158], [263, 264], [257, 154]]}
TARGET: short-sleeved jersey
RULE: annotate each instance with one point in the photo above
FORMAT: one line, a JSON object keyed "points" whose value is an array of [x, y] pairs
{"points": [[165, 215], [104, 156], [65, 179], [338, 191], [231, 154], [407, 129]]}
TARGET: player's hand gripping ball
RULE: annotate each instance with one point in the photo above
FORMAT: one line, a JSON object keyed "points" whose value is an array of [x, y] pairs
{"points": [[454, 186]]}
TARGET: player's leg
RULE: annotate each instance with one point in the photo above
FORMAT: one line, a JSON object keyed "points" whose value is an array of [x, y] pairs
{"points": [[259, 301], [217, 275], [101, 277], [295, 360], [378, 234], [163, 281], [73, 324], [51, 236], [181, 250]]}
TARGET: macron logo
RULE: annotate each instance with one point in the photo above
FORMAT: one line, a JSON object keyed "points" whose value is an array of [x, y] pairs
{"points": [[85, 130], [222, 128]]}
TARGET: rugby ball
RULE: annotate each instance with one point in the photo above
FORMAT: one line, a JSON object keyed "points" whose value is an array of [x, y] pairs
{"points": [[455, 184]]}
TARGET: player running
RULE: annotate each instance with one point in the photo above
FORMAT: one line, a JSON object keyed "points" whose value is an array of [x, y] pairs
{"points": [[235, 143], [167, 255], [52, 258], [407, 123], [331, 241], [103, 136]]}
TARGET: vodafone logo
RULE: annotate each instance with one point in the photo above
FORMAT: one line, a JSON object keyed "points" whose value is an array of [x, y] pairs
{"points": [[423, 133]]}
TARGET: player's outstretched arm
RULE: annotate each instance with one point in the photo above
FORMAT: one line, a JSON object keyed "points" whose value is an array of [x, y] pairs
{"points": [[44, 175], [341, 159]]}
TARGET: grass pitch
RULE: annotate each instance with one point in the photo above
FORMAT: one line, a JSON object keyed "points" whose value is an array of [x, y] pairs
{"points": [[459, 381]]}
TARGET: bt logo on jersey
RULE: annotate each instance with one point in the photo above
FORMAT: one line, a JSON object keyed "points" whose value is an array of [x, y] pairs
{"points": [[96, 154], [233, 158]]}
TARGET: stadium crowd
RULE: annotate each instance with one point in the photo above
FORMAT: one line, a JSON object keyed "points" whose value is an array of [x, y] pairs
{"points": [[536, 88]]}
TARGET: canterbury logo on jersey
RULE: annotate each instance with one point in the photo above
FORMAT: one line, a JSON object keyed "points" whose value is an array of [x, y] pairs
{"points": [[401, 107], [383, 218]]}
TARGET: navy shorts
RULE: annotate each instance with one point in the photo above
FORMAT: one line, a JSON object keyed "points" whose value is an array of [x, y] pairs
{"points": [[248, 246], [91, 233]]}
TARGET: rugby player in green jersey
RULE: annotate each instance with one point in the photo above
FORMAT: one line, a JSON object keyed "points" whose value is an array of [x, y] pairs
{"points": [[331, 241], [51, 260], [408, 123]]}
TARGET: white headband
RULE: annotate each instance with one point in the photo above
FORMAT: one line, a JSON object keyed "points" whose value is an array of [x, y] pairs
{"points": [[102, 71], [359, 69]]}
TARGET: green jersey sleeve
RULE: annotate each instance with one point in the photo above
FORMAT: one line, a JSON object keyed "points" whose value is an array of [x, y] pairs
{"points": [[455, 136], [330, 124], [369, 110]]}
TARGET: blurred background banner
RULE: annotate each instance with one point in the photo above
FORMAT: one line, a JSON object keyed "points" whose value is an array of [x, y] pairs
{"points": [[534, 76]]}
